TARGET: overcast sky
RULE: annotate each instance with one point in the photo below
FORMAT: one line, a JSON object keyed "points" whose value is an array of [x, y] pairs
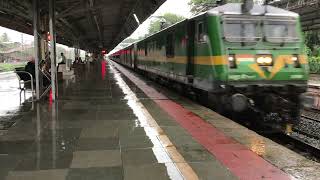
{"points": [[16, 36], [179, 7]]}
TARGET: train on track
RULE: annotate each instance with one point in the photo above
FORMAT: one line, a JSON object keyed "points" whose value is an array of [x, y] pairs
{"points": [[238, 58]]}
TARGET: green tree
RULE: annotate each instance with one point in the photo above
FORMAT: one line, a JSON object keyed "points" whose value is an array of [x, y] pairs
{"points": [[4, 37], [198, 6], [154, 27], [164, 21], [312, 41]]}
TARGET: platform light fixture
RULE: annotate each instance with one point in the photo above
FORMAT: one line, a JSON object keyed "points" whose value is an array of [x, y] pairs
{"points": [[136, 18], [48, 36]]}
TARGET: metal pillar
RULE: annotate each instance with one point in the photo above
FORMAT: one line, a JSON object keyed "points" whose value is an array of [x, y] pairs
{"points": [[75, 53], [36, 44], [52, 48]]}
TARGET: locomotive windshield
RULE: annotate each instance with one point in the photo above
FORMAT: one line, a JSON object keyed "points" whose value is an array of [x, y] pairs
{"points": [[280, 31], [250, 30], [241, 30]]}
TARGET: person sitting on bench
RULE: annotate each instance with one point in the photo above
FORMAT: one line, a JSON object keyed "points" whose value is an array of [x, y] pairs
{"points": [[30, 67]]}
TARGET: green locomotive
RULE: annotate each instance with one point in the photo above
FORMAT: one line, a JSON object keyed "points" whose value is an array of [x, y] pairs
{"points": [[237, 58]]}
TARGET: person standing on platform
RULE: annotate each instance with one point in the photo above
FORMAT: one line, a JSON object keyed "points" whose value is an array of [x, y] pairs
{"points": [[62, 59]]}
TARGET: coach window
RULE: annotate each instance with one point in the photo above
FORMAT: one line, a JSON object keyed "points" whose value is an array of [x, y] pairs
{"points": [[201, 32], [170, 46]]}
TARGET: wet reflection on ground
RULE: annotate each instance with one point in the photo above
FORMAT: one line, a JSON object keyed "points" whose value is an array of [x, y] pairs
{"points": [[152, 130], [97, 129], [11, 97], [13, 101]]}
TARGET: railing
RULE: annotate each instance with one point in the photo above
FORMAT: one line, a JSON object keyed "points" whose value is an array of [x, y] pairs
{"points": [[45, 74]]}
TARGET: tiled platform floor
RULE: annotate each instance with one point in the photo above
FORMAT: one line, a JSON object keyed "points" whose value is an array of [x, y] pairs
{"points": [[98, 130]]}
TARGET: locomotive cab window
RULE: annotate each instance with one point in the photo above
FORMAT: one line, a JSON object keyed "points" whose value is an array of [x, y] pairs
{"points": [[241, 30], [170, 45], [201, 32], [280, 31]]}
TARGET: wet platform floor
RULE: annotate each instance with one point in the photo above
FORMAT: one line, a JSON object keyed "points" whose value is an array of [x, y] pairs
{"points": [[100, 128], [105, 127]]}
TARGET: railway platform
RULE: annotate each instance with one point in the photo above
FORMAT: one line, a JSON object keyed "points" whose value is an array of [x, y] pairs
{"points": [[110, 123]]}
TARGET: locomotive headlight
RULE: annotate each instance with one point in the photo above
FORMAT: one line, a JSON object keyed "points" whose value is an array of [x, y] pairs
{"points": [[295, 60], [264, 60], [232, 61]]}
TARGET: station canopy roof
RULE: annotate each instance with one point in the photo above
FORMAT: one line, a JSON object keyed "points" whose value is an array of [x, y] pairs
{"points": [[307, 9], [95, 24]]}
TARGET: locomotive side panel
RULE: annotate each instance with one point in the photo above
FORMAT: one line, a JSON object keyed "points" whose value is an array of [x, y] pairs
{"points": [[209, 60]]}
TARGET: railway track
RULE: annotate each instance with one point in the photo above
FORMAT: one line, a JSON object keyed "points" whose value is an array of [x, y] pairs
{"points": [[307, 134], [310, 121], [311, 114], [303, 144], [305, 140]]}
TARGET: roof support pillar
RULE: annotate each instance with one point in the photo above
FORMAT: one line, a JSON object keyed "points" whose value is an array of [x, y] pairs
{"points": [[76, 48], [36, 45], [53, 49]]}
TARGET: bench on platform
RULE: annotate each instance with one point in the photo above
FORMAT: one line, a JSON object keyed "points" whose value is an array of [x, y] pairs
{"points": [[25, 78], [26, 81]]}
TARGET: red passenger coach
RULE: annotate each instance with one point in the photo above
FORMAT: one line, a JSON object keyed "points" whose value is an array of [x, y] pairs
{"points": [[124, 56]]}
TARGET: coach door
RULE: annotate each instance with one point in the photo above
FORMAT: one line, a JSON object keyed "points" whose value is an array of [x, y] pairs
{"points": [[190, 49]]}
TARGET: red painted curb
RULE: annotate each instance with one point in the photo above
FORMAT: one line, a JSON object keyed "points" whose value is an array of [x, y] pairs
{"points": [[242, 162]]}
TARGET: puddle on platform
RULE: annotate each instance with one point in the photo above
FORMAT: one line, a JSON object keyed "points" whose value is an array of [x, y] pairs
{"points": [[11, 99]]}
